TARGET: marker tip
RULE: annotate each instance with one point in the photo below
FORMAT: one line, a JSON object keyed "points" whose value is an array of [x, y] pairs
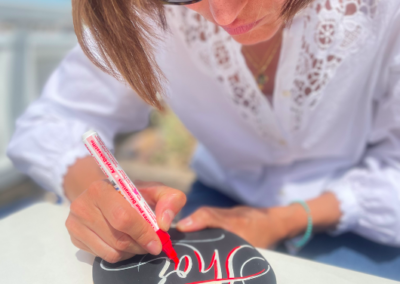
{"points": [[176, 260]]}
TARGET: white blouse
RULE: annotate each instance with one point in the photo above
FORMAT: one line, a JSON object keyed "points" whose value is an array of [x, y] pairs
{"points": [[334, 125]]}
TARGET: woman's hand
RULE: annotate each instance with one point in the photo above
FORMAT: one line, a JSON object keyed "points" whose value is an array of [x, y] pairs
{"points": [[260, 227], [264, 227], [103, 223]]}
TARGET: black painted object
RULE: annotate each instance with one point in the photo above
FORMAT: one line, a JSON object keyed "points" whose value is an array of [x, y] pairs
{"points": [[209, 256]]}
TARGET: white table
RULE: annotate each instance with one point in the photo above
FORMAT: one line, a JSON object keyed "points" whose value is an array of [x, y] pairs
{"points": [[35, 248]]}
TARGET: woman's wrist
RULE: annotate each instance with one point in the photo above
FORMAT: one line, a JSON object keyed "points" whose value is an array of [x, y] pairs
{"points": [[324, 210], [287, 221], [295, 220]]}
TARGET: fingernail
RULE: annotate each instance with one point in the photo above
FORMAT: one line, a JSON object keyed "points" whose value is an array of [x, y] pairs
{"points": [[153, 247], [167, 217], [184, 223]]}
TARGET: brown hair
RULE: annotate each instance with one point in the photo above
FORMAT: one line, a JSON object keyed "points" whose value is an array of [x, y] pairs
{"points": [[118, 37]]}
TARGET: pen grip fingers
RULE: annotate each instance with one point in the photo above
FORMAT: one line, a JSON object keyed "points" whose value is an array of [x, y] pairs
{"points": [[81, 245], [114, 238], [86, 239], [166, 200], [123, 218]]}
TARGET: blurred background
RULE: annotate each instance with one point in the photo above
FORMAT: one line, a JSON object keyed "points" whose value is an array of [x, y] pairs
{"points": [[34, 37]]}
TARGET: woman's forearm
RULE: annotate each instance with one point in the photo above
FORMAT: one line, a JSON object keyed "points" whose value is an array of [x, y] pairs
{"points": [[325, 213], [80, 175]]}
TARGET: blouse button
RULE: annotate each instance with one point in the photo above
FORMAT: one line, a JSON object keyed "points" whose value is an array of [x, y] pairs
{"points": [[286, 93]]}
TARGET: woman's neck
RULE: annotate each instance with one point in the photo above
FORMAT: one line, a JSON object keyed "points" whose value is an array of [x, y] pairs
{"points": [[258, 52], [259, 49]]}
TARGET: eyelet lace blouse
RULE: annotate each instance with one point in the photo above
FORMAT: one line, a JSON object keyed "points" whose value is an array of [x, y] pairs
{"points": [[334, 125]]}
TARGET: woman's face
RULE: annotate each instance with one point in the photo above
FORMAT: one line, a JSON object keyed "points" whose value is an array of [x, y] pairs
{"points": [[247, 21]]}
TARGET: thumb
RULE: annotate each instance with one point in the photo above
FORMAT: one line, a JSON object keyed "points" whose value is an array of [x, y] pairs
{"points": [[204, 217], [166, 200]]}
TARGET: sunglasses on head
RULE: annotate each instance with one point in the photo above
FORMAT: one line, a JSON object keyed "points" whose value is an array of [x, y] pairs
{"points": [[179, 2]]}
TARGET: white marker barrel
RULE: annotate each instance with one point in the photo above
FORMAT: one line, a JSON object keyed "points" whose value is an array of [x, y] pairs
{"points": [[116, 175]]}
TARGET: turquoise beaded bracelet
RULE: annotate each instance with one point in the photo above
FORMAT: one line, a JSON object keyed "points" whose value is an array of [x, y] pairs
{"points": [[307, 234]]}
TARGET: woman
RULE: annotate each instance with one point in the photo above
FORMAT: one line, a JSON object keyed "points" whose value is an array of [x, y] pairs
{"points": [[295, 105]]}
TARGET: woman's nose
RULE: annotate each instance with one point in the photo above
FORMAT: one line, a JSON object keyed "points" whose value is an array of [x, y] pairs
{"points": [[226, 11]]}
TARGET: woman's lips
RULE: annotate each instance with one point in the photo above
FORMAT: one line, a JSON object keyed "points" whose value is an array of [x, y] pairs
{"points": [[242, 29]]}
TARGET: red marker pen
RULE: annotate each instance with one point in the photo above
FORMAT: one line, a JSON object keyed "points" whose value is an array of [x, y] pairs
{"points": [[110, 167]]}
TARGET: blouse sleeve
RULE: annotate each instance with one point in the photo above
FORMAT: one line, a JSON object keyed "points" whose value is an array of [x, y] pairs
{"points": [[77, 97], [369, 194]]}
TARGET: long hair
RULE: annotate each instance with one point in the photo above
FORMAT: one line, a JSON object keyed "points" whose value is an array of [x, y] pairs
{"points": [[119, 37]]}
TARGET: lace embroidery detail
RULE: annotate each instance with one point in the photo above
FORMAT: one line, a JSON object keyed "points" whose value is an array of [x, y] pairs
{"points": [[333, 30], [217, 53]]}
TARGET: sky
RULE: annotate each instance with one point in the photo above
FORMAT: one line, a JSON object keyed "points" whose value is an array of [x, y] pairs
{"points": [[38, 2]]}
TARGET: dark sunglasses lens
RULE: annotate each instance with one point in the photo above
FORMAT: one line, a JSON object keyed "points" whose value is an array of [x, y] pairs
{"points": [[180, 2]]}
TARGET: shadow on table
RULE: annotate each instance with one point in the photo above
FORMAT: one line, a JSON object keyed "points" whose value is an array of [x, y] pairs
{"points": [[353, 252], [83, 256]]}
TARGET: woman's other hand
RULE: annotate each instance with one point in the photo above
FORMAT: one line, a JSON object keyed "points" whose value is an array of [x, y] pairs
{"points": [[260, 227], [103, 223], [264, 227]]}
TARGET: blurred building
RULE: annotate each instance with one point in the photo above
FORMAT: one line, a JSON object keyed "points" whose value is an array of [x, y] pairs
{"points": [[34, 36]]}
